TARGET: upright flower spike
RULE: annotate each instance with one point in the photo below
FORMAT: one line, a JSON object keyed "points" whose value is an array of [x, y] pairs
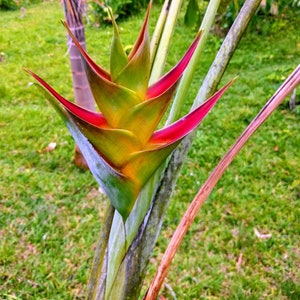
{"points": [[123, 132]]}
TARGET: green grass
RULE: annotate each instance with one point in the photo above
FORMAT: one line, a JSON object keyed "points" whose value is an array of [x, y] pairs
{"points": [[51, 211]]}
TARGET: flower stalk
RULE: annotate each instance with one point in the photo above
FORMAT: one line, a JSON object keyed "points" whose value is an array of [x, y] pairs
{"points": [[173, 9]]}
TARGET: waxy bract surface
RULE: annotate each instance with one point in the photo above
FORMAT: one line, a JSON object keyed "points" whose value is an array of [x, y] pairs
{"points": [[123, 131]]}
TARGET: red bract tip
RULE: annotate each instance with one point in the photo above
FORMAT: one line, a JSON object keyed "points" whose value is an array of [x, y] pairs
{"points": [[97, 69], [173, 75], [185, 125], [88, 116]]}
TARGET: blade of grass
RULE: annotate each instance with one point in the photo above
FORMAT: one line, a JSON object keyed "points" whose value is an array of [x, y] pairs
{"points": [[285, 89]]}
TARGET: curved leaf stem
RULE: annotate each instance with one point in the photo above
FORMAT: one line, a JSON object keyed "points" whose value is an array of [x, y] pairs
{"points": [[286, 88]]}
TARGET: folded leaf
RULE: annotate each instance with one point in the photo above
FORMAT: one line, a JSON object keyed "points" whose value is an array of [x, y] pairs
{"points": [[112, 99], [114, 145], [146, 115], [142, 165]]}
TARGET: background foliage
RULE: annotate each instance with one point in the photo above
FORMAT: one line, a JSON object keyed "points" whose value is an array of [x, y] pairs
{"points": [[51, 211], [269, 11], [16, 4], [121, 9]]}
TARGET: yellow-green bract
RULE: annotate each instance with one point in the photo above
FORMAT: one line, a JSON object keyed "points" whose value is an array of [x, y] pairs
{"points": [[123, 131]]}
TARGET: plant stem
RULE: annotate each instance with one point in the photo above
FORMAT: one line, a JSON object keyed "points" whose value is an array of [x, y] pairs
{"points": [[158, 30], [100, 260], [188, 75], [226, 51], [162, 51]]}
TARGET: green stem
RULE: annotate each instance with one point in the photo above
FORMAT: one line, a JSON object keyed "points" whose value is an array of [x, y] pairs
{"points": [[158, 30], [162, 51], [179, 155], [186, 80], [226, 51], [100, 259]]}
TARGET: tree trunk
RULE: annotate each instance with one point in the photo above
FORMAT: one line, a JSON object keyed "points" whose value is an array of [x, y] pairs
{"points": [[73, 10]]}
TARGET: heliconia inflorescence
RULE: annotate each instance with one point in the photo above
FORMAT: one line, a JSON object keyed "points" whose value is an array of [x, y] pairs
{"points": [[123, 132]]}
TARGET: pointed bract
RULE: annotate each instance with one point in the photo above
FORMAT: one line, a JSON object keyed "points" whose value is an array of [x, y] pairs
{"points": [[147, 115], [121, 190], [185, 125], [91, 117], [174, 74], [142, 165]]}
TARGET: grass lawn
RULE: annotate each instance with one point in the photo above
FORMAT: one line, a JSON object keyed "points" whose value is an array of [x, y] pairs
{"points": [[51, 212]]}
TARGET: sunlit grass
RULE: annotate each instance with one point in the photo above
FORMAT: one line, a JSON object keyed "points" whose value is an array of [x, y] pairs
{"points": [[51, 211]]}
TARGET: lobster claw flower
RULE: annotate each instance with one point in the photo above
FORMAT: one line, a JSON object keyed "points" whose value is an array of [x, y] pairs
{"points": [[123, 131]]}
